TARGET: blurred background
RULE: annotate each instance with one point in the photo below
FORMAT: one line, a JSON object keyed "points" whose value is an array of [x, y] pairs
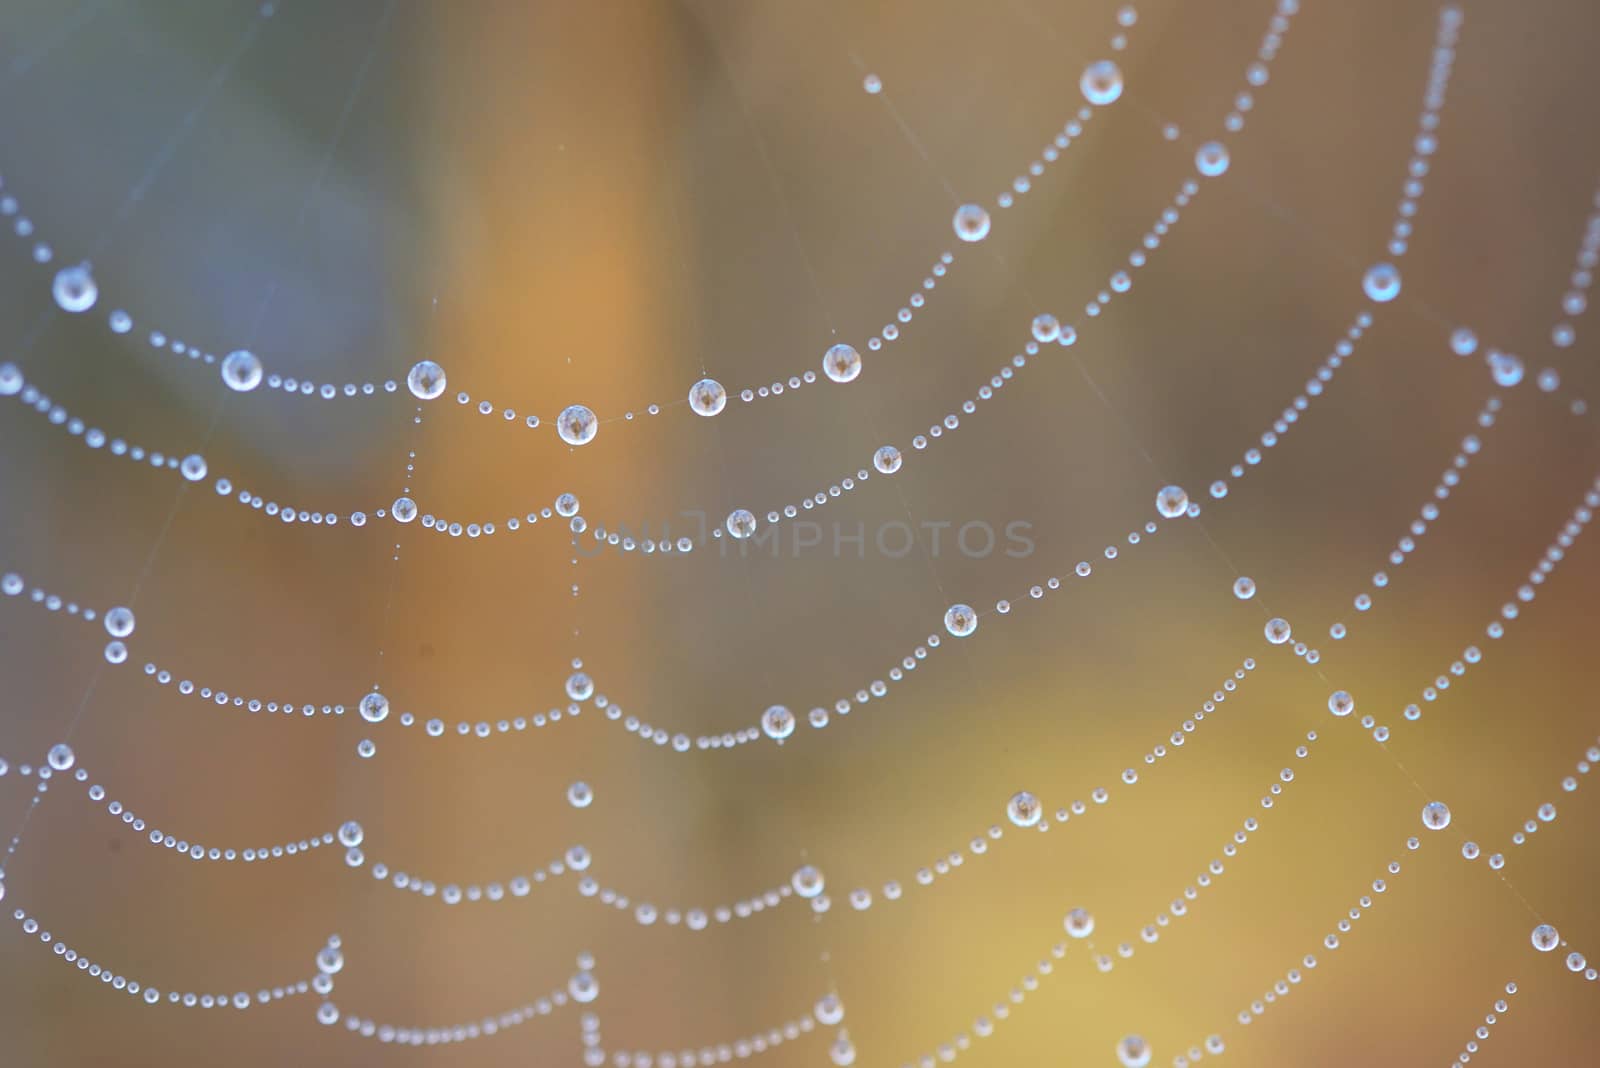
{"points": [[602, 202]]}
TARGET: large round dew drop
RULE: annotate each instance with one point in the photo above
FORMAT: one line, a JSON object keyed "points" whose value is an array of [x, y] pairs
{"points": [[1024, 810], [374, 707], [1212, 159], [241, 370], [577, 425], [707, 397], [777, 723], [1133, 1052], [807, 881], [971, 223], [425, 380], [1172, 502], [960, 620], [1101, 83], [1381, 283], [841, 363], [1436, 815], [74, 289]]}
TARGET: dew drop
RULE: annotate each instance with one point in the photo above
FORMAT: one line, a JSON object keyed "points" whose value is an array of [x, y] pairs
{"points": [[1024, 809], [74, 289], [960, 620], [374, 708], [425, 380], [707, 397], [241, 370], [1436, 815], [1381, 283], [1133, 1052], [1101, 83], [1211, 159], [577, 425], [971, 222], [1172, 502], [841, 363]]}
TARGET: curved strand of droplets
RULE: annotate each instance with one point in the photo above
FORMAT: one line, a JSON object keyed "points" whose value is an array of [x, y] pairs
{"points": [[452, 1034], [947, 864], [1482, 1032], [144, 992], [742, 1048], [985, 1023], [1525, 594], [1179, 908], [193, 466], [76, 291], [1471, 445], [1331, 942], [1382, 282], [1546, 813]]}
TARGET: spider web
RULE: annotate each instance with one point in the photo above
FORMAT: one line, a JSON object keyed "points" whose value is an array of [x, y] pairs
{"points": [[561, 207]]}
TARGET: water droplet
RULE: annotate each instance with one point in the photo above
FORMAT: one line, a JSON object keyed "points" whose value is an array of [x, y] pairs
{"points": [[741, 523], [1545, 938], [1340, 703], [119, 621], [580, 795], [807, 881], [374, 708], [971, 222], [960, 620], [1024, 809], [1079, 923], [1211, 159], [1277, 630], [241, 370], [777, 723], [886, 460], [707, 397], [1101, 83], [1244, 587], [1506, 369], [1133, 1052], [1172, 502], [577, 425], [1381, 283], [425, 380], [1436, 815], [74, 289], [841, 363], [61, 756]]}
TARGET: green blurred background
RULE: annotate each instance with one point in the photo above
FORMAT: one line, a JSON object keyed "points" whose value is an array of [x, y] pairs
{"points": [[595, 202]]}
